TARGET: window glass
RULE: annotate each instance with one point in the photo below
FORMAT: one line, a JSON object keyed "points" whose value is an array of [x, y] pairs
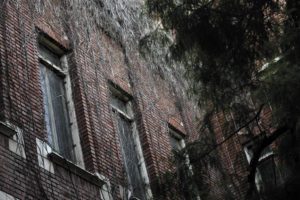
{"points": [[60, 114], [48, 55], [267, 175], [46, 106], [175, 143], [127, 142], [175, 139], [118, 103], [56, 114], [130, 156]]}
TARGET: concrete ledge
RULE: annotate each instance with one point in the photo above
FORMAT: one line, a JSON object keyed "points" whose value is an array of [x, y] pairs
{"points": [[15, 138], [61, 161], [7, 129]]}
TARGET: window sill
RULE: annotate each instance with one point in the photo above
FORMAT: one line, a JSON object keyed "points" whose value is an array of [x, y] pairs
{"points": [[7, 129], [61, 161]]}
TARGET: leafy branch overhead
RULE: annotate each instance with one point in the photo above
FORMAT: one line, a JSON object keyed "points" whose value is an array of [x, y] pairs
{"points": [[220, 42], [238, 56], [231, 49]]}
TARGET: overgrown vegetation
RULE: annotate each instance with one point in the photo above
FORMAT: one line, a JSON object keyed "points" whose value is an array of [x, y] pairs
{"points": [[241, 58], [78, 22], [221, 46]]}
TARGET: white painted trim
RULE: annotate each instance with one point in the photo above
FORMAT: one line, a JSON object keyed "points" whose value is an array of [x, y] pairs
{"points": [[267, 155], [137, 144], [265, 66], [16, 142], [179, 136], [141, 164], [74, 131], [105, 191], [122, 113], [43, 149], [258, 178], [72, 116]]}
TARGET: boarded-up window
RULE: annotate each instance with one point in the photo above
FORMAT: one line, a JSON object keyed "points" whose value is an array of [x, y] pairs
{"points": [[54, 99], [126, 137]]}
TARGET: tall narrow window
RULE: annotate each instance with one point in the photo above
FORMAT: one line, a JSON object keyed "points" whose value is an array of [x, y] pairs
{"points": [[177, 144], [57, 119], [267, 175], [176, 139], [122, 110], [183, 167]]}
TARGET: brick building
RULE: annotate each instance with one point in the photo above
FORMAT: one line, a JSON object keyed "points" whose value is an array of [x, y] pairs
{"points": [[83, 118], [78, 122]]}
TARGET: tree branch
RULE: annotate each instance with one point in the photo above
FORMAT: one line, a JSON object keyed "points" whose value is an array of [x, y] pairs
{"points": [[263, 143], [233, 133]]}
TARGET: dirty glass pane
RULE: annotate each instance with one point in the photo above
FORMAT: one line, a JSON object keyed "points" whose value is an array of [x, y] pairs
{"points": [[118, 103], [265, 151], [269, 174], [48, 55], [175, 143], [45, 102], [130, 157], [60, 114]]}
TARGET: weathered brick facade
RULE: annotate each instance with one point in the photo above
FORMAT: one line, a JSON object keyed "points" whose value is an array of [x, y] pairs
{"points": [[154, 106], [92, 68]]}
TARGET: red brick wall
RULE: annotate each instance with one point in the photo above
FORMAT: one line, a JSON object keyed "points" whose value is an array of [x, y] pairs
{"points": [[90, 68], [97, 60]]}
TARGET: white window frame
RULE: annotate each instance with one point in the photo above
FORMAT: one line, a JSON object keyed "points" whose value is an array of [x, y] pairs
{"points": [[64, 70], [118, 93], [177, 136], [249, 154]]}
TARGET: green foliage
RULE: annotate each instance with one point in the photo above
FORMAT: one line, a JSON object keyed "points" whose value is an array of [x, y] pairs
{"points": [[219, 41], [280, 83], [190, 176], [177, 183], [223, 45], [281, 86]]}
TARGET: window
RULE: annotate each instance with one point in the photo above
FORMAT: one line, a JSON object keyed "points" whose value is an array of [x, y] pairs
{"points": [[57, 99], [177, 144], [176, 141], [267, 175], [129, 141], [184, 169]]}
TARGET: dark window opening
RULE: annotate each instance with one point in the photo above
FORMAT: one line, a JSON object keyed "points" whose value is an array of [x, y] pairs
{"points": [[54, 100], [267, 177], [125, 131]]}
